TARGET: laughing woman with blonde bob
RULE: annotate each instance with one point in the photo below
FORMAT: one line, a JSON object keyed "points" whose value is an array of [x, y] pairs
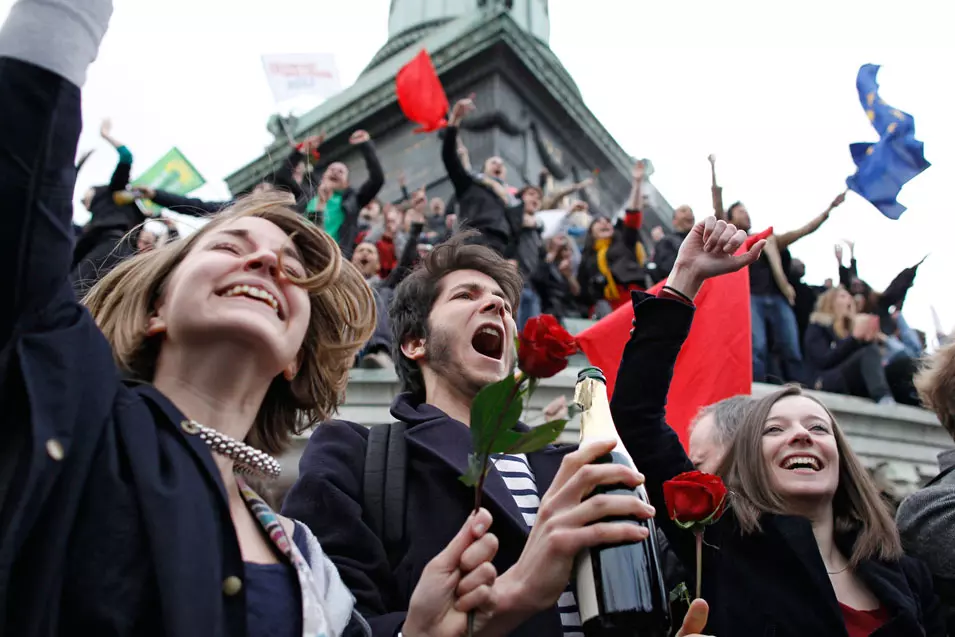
{"points": [[129, 423]]}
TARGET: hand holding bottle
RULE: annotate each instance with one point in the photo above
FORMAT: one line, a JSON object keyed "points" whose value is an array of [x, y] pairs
{"points": [[568, 521]]}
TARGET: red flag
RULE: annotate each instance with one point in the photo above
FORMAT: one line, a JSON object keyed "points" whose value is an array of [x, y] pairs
{"points": [[716, 361], [421, 95]]}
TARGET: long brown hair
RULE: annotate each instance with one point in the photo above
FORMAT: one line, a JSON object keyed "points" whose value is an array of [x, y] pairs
{"points": [[342, 318], [856, 505]]}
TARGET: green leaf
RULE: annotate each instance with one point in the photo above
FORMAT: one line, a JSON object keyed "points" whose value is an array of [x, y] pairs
{"points": [[495, 409], [505, 440], [476, 465], [680, 591], [535, 439]]}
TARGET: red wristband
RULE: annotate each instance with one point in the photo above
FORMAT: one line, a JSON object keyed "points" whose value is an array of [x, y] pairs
{"points": [[633, 219]]}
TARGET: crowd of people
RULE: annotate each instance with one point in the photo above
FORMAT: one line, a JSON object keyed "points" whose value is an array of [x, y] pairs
{"points": [[840, 337], [147, 394]]}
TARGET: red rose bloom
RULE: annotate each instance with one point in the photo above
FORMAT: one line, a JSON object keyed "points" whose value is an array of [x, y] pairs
{"points": [[695, 497], [544, 347]]}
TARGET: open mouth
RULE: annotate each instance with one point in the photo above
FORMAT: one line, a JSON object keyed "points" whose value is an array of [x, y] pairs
{"points": [[806, 464], [489, 341], [256, 294]]}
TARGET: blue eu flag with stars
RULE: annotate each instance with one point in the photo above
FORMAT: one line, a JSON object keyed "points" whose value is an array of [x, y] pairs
{"points": [[884, 167]]}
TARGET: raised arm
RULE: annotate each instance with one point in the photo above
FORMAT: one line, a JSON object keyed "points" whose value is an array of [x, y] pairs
{"points": [[717, 192], [633, 213], [660, 326], [553, 199], [776, 268], [376, 176], [45, 49], [459, 175], [120, 178], [406, 261], [788, 238], [183, 205]]}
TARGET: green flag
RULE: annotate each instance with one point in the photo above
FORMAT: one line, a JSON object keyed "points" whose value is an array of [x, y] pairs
{"points": [[173, 173]]}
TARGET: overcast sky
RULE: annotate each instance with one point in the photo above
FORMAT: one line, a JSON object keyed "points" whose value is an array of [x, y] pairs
{"points": [[768, 87]]}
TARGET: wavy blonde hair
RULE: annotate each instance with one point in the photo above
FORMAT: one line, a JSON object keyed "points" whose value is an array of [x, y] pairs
{"points": [[936, 385], [342, 318], [825, 312]]}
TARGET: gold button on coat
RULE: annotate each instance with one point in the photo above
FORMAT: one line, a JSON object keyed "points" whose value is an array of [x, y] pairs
{"points": [[54, 449], [189, 427], [231, 585]]}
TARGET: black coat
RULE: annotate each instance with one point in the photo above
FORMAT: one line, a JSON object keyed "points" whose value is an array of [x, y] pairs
{"points": [[823, 353], [113, 521], [664, 255], [772, 583], [109, 236], [555, 293], [330, 488], [621, 258], [480, 208]]}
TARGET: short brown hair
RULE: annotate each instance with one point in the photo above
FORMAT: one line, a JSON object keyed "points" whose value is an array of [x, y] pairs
{"points": [[936, 385], [415, 296], [856, 506], [342, 318]]}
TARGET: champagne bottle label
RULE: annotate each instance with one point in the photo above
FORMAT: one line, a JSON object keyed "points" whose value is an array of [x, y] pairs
{"points": [[587, 603]]}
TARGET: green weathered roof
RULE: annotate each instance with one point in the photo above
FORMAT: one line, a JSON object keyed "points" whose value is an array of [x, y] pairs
{"points": [[449, 45]]}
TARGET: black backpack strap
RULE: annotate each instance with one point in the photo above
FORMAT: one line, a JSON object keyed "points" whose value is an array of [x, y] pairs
{"points": [[385, 486], [941, 476], [373, 483]]}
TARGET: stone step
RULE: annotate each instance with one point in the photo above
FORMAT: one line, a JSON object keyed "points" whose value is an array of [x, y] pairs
{"points": [[898, 442]]}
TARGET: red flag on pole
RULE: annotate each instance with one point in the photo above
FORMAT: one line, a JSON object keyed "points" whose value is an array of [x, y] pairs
{"points": [[716, 361], [420, 94]]}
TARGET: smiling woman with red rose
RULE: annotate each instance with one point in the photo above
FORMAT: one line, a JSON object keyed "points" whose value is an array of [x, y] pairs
{"points": [[805, 547]]}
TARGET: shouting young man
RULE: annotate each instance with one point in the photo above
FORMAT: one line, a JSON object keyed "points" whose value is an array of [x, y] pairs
{"points": [[453, 326]]}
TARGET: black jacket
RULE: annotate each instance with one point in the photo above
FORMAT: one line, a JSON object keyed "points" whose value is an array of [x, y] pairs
{"points": [[769, 584], [554, 291], [480, 208], [113, 520], [664, 255], [353, 200], [621, 258], [823, 353], [108, 237], [330, 488]]}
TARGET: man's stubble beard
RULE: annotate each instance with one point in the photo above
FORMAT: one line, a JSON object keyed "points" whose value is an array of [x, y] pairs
{"points": [[440, 357]]}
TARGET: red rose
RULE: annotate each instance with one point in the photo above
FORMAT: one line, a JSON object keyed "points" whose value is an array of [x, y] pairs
{"points": [[544, 347], [695, 497]]}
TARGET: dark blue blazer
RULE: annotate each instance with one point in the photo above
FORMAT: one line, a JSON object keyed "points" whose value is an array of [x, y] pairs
{"points": [[113, 521], [330, 489], [769, 584]]}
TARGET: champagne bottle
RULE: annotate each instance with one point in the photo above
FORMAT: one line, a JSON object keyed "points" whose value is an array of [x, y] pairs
{"points": [[620, 588]]}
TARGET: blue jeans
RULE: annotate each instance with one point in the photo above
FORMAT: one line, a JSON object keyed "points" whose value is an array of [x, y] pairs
{"points": [[772, 315], [530, 306]]}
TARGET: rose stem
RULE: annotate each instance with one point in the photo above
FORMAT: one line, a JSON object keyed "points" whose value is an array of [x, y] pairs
{"points": [[699, 562], [479, 489]]}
